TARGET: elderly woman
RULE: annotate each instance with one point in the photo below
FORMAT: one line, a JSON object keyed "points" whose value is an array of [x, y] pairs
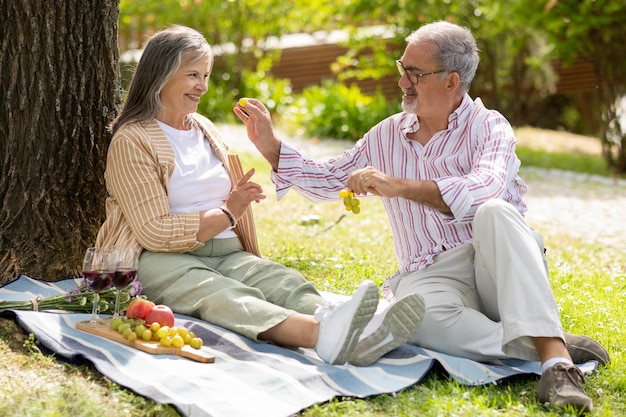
{"points": [[178, 196]]}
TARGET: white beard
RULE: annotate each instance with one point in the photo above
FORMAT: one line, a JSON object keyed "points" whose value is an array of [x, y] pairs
{"points": [[411, 107]]}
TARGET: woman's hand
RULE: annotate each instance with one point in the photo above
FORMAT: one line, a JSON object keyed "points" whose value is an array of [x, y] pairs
{"points": [[243, 194], [260, 130]]}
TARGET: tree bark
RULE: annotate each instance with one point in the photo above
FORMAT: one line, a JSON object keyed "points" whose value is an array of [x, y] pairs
{"points": [[59, 90]]}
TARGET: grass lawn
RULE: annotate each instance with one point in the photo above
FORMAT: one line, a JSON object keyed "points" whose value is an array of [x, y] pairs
{"points": [[337, 253]]}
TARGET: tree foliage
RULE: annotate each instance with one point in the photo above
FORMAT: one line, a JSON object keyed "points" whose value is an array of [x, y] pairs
{"points": [[515, 74], [520, 41], [594, 29], [244, 32]]}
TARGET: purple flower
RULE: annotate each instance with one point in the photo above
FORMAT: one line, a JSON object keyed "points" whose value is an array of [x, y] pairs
{"points": [[135, 288], [68, 295]]}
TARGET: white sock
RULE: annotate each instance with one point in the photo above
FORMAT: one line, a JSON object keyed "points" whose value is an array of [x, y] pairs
{"points": [[553, 361]]}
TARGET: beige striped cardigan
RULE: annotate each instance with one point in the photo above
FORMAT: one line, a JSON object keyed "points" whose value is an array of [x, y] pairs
{"points": [[140, 161]]}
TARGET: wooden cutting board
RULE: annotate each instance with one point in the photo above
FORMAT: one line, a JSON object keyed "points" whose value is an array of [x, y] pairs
{"points": [[103, 328]]}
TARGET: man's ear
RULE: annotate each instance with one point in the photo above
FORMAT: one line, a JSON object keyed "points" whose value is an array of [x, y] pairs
{"points": [[454, 81]]}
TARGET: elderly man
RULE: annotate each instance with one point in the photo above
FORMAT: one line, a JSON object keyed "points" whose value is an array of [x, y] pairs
{"points": [[447, 173]]}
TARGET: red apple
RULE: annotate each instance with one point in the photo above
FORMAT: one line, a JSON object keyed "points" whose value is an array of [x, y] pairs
{"points": [[138, 308], [161, 314]]}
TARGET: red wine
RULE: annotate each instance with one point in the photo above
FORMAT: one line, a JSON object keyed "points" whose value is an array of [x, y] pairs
{"points": [[123, 277], [98, 280]]}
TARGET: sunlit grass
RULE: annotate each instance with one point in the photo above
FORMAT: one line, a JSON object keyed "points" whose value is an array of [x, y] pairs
{"points": [[589, 283], [576, 162]]}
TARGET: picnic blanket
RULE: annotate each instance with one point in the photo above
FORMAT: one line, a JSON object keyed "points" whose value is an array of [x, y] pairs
{"points": [[247, 378]]}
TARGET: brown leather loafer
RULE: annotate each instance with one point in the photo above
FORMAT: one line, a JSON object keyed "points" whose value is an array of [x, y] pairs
{"points": [[562, 386], [582, 349]]}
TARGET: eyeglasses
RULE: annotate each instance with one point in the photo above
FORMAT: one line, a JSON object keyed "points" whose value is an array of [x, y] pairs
{"points": [[412, 75]]}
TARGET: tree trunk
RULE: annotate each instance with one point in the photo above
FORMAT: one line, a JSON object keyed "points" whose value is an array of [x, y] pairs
{"points": [[59, 90]]}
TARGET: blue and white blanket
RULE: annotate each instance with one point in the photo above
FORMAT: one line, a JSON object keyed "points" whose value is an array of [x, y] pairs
{"points": [[247, 378]]}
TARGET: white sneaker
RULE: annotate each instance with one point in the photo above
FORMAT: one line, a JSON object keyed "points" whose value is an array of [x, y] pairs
{"points": [[399, 323], [342, 323]]}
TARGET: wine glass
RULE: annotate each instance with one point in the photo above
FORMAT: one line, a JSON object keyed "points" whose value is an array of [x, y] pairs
{"points": [[98, 270], [126, 260]]}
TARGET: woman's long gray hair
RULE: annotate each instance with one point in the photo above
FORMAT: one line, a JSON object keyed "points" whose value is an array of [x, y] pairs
{"points": [[160, 59], [456, 49]]}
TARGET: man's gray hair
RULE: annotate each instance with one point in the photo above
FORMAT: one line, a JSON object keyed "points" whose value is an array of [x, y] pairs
{"points": [[455, 48]]}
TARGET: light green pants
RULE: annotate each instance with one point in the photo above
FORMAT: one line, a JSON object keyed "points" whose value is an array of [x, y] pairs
{"points": [[227, 286]]}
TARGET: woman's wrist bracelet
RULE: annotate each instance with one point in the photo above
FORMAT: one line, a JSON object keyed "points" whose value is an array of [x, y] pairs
{"points": [[230, 215]]}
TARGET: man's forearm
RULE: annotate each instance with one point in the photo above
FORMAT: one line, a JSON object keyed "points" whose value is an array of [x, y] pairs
{"points": [[271, 152], [424, 192]]}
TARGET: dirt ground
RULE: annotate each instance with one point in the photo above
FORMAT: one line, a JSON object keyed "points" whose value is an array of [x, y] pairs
{"points": [[592, 209]]}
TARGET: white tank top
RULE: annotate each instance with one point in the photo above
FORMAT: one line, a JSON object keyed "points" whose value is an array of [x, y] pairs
{"points": [[199, 181]]}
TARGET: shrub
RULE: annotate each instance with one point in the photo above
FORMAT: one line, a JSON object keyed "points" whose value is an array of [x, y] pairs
{"points": [[334, 110], [218, 102]]}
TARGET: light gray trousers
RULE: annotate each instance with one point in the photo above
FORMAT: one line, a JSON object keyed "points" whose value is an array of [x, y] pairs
{"points": [[226, 286], [484, 300]]}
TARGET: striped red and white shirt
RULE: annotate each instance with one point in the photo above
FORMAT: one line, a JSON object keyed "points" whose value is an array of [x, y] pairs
{"points": [[472, 161]]}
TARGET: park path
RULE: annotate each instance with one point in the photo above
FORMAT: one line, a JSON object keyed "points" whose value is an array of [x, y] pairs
{"points": [[589, 208]]}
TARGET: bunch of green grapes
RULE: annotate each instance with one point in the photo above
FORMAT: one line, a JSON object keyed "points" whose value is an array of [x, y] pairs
{"points": [[133, 329], [350, 202]]}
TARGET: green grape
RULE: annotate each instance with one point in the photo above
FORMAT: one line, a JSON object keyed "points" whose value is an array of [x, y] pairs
{"points": [[123, 327], [163, 332], [350, 202], [147, 335], [177, 341], [177, 337], [115, 323], [127, 331], [166, 341], [196, 343], [139, 329]]}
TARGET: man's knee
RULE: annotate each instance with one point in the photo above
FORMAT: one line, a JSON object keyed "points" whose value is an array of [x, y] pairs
{"points": [[494, 207], [495, 211]]}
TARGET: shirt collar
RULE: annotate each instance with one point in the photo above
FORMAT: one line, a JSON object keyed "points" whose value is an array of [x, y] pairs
{"points": [[460, 115], [409, 123]]}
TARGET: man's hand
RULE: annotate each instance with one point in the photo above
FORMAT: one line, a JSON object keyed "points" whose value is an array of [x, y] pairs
{"points": [[259, 127], [373, 181]]}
